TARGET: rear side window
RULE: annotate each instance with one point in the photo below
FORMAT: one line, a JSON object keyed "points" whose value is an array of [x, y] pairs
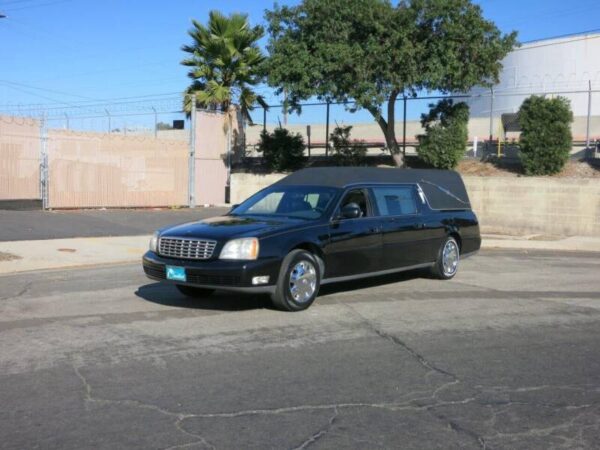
{"points": [[395, 200]]}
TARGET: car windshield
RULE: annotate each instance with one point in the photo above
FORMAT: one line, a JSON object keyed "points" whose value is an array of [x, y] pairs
{"points": [[302, 202]]}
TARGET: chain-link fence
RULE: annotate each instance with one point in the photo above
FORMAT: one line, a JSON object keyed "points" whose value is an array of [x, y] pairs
{"points": [[155, 117], [123, 153], [140, 153], [490, 112]]}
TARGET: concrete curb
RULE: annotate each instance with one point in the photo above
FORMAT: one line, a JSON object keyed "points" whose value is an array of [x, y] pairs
{"points": [[82, 252], [572, 244]]}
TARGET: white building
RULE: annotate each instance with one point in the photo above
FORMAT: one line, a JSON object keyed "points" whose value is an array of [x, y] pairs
{"points": [[565, 65]]}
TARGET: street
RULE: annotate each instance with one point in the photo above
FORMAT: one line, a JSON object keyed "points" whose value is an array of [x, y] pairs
{"points": [[503, 356], [27, 225]]}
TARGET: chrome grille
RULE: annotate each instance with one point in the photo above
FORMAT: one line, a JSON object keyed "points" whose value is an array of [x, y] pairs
{"points": [[186, 248]]}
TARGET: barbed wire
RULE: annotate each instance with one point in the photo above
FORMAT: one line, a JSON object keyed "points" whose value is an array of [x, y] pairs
{"points": [[170, 104], [151, 106]]}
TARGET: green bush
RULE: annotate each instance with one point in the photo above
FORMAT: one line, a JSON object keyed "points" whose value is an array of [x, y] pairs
{"points": [[545, 134], [282, 151], [346, 152], [446, 132]]}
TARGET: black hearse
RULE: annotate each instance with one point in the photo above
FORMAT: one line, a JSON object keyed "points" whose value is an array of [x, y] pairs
{"points": [[321, 225]]}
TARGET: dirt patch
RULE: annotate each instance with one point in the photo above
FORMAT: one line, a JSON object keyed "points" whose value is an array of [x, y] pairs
{"points": [[485, 169], [579, 169], [499, 168], [8, 256]]}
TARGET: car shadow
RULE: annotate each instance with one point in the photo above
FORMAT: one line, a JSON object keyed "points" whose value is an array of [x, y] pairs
{"points": [[365, 283], [168, 295]]}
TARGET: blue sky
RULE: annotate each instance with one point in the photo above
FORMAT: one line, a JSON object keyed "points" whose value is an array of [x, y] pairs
{"points": [[54, 52]]}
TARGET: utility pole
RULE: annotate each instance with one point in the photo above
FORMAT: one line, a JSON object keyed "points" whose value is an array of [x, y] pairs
{"points": [[229, 134], [155, 122], [44, 160], [192, 153], [404, 129], [327, 132], [589, 113], [491, 113], [285, 104]]}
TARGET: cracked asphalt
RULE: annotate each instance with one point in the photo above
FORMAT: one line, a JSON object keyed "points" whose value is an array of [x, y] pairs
{"points": [[506, 355]]}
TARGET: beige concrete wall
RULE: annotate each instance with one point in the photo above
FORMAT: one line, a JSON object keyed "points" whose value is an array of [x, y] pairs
{"points": [[478, 126], [553, 206], [516, 206], [243, 185], [109, 170], [19, 158], [177, 135], [369, 132]]}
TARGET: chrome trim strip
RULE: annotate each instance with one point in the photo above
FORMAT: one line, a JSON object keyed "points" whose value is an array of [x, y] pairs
{"points": [[244, 289], [374, 274], [466, 255]]}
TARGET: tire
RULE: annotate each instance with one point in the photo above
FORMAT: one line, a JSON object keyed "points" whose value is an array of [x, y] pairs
{"points": [[298, 282], [448, 259], [194, 292]]}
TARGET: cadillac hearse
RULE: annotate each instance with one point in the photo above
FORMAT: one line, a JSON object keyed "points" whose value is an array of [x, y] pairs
{"points": [[318, 226]]}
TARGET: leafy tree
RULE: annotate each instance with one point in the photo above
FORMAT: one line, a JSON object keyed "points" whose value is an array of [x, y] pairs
{"points": [[545, 134], [446, 133], [345, 151], [371, 52], [225, 63], [282, 150]]}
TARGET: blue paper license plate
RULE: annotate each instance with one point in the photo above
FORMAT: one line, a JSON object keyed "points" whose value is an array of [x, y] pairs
{"points": [[176, 273]]}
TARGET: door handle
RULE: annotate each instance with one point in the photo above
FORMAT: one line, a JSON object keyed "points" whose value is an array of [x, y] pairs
{"points": [[374, 230]]}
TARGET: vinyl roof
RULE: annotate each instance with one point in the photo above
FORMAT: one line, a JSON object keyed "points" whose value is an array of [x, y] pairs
{"points": [[444, 188]]}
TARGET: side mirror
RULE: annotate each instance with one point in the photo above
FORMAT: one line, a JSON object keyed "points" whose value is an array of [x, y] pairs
{"points": [[351, 211], [233, 207]]}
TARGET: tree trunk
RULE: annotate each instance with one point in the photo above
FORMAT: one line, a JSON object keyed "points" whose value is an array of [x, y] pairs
{"points": [[387, 127], [391, 130]]}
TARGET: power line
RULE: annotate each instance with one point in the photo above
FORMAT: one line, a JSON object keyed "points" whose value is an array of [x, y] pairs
{"points": [[100, 108], [46, 90], [37, 5], [17, 2], [104, 116], [106, 101], [37, 95]]}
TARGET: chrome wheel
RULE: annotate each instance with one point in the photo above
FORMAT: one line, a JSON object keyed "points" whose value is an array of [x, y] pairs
{"points": [[450, 257], [303, 281]]}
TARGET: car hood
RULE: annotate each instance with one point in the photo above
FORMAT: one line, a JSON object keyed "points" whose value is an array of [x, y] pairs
{"points": [[227, 227]]}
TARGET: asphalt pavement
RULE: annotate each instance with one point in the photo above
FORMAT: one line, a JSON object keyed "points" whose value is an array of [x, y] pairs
{"points": [[503, 356], [32, 225]]}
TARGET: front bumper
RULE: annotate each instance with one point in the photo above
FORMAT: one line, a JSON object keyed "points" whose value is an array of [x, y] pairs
{"points": [[216, 274]]}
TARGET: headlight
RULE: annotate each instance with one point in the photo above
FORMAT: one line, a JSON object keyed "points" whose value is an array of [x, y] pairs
{"points": [[154, 242], [245, 248]]}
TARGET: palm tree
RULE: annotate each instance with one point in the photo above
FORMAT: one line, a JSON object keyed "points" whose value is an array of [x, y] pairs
{"points": [[225, 64]]}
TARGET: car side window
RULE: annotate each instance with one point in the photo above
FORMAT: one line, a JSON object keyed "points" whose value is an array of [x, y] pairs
{"points": [[395, 200], [356, 196]]}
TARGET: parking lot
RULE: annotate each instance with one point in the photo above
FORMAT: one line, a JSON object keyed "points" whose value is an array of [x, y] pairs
{"points": [[503, 356]]}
